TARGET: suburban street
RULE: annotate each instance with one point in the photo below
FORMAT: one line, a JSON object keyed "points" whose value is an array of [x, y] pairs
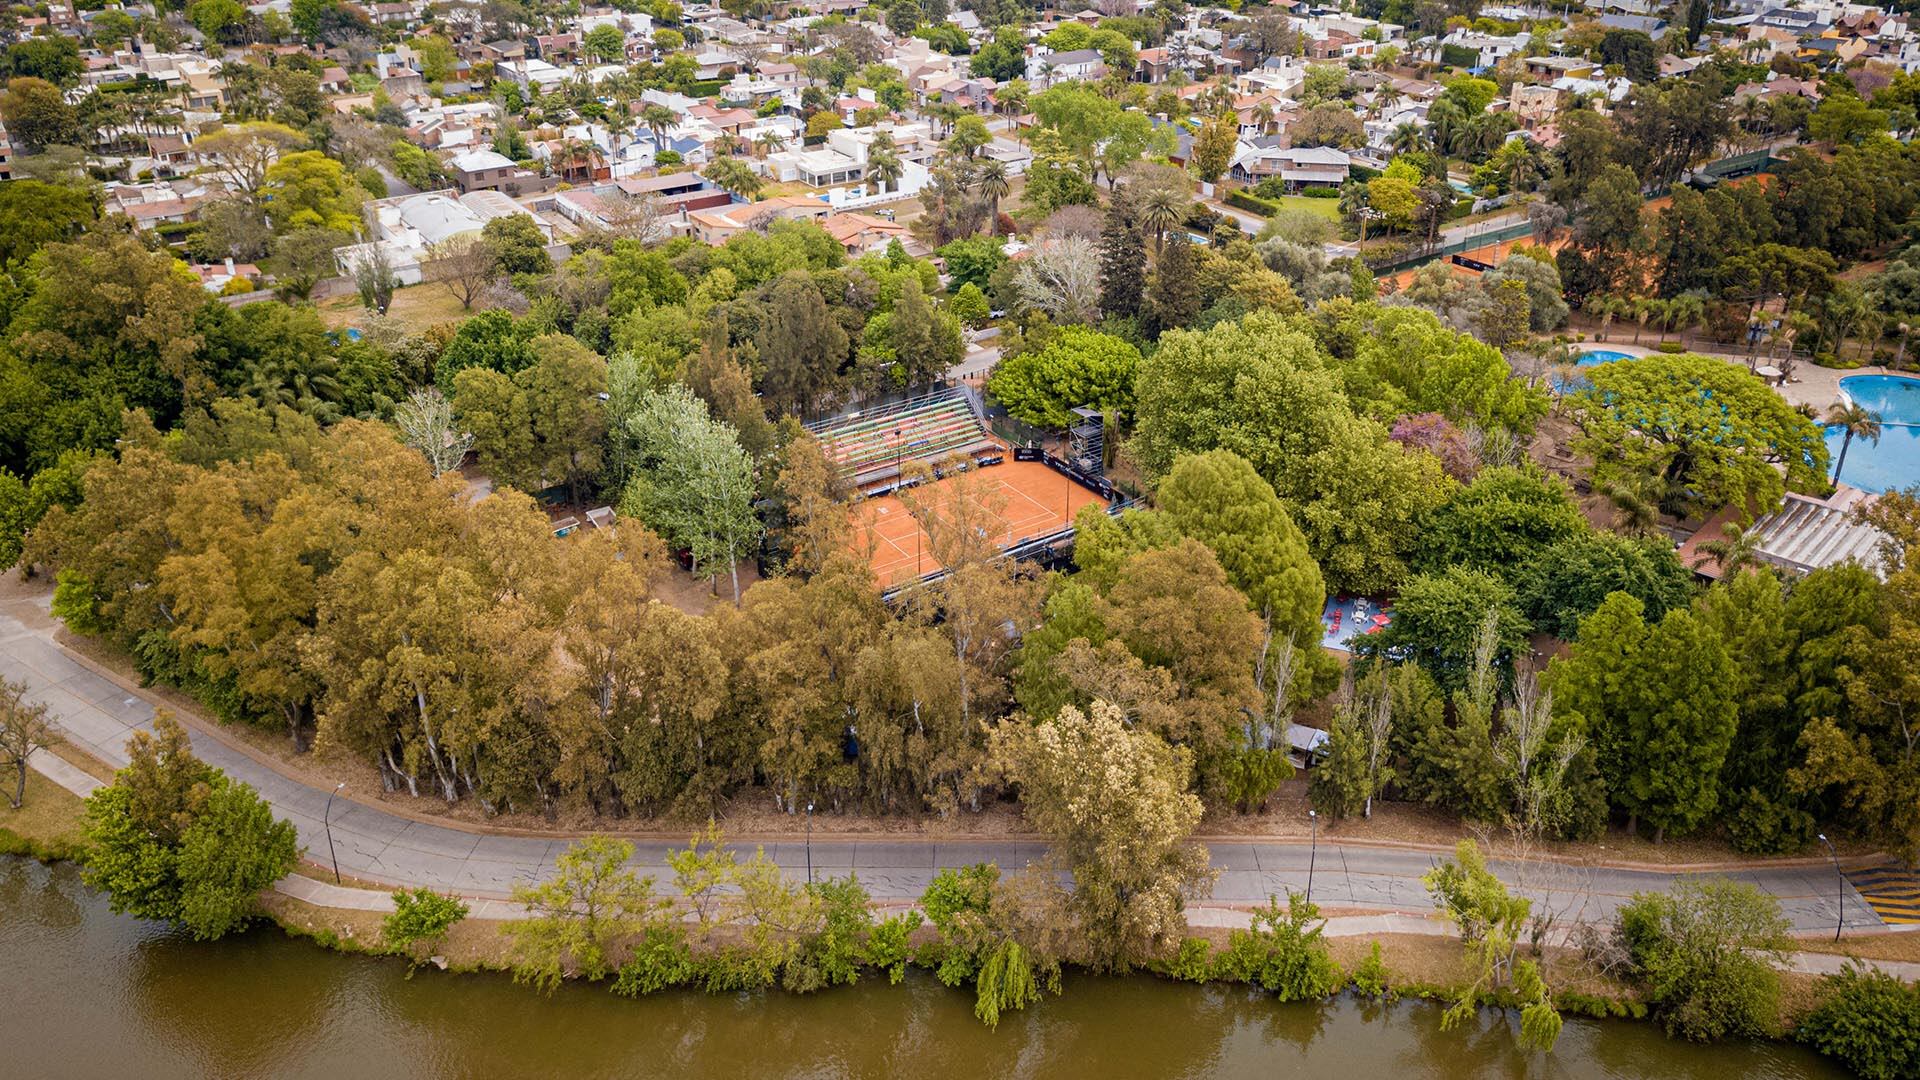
{"points": [[99, 713]]}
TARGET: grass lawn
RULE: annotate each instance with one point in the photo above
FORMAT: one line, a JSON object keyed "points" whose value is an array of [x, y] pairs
{"points": [[416, 307], [47, 823], [1326, 208]]}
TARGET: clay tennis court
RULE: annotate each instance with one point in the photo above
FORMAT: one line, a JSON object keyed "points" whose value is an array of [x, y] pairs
{"points": [[1037, 500]]}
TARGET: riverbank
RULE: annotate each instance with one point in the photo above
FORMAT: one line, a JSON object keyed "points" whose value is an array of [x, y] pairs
{"points": [[113, 994], [1420, 951]]}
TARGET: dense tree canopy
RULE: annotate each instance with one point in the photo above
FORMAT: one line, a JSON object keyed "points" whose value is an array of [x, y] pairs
{"points": [[1714, 435]]}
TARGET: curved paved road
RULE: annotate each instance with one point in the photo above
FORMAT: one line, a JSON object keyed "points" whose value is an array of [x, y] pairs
{"points": [[98, 713]]}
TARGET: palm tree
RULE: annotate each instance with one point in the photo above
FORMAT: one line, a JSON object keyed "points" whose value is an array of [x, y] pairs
{"points": [[1407, 138], [883, 166], [770, 141], [1162, 209], [1642, 311], [657, 118], [1686, 310], [993, 182], [305, 381], [1263, 116], [1638, 503], [1737, 549], [1852, 419], [1608, 308], [1444, 121]]}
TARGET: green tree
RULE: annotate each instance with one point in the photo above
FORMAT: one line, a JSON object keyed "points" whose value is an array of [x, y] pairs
{"points": [[37, 115], [542, 426], [1846, 119], [802, 345], [1218, 499], [1281, 952], [1259, 387], [1489, 918], [1705, 953], [1658, 704], [1173, 296], [969, 305], [173, 838], [34, 214], [517, 245], [1122, 267], [1568, 580], [1213, 148], [419, 921], [925, 340], [1078, 368], [1500, 522], [692, 481], [1437, 619], [307, 189], [1717, 436], [576, 919], [606, 44]]}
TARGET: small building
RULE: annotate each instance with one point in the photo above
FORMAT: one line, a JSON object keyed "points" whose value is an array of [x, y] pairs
{"points": [[1804, 535]]}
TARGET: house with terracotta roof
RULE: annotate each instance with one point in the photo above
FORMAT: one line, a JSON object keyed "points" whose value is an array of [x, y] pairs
{"points": [[861, 234], [718, 225]]}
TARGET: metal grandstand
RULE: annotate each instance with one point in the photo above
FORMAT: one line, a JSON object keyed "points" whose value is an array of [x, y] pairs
{"points": [[872, 446]]}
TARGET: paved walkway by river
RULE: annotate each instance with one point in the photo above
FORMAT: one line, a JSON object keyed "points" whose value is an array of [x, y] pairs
{"points": [[98, 712]]}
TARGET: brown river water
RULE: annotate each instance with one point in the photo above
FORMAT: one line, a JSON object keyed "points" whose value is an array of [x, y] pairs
{"points": [[87, 993]]}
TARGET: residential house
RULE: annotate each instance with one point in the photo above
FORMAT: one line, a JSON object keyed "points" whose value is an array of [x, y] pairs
{"points": [[407, 227], [1047, 68], [1534, 105], [1545, 69], [862, 234], [718, 225]]}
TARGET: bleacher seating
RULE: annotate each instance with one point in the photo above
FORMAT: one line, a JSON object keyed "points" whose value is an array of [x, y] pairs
{"points": [[871, 446]]}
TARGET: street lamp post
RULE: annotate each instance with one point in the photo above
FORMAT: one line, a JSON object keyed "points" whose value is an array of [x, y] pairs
{"points": [[326, 821], [1839, 889], [1313, 849], [809, 842]]}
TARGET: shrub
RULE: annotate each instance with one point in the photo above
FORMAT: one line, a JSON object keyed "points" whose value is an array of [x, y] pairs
{"points": [[1703, 953], [1672, 347], [1320, 193], [1867, 1020], [1248, 201], [420, 919], [1280, 953], [661, 960], [1191, 962], [888, 946], [1370, 978]]}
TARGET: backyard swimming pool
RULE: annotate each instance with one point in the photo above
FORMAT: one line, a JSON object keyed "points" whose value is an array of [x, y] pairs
{"points": [[1894, 462], [1567, 382]]}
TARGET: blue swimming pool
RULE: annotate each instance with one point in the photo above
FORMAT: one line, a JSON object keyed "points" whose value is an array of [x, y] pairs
{"points": [[1569, 382], [1894, 462]]}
